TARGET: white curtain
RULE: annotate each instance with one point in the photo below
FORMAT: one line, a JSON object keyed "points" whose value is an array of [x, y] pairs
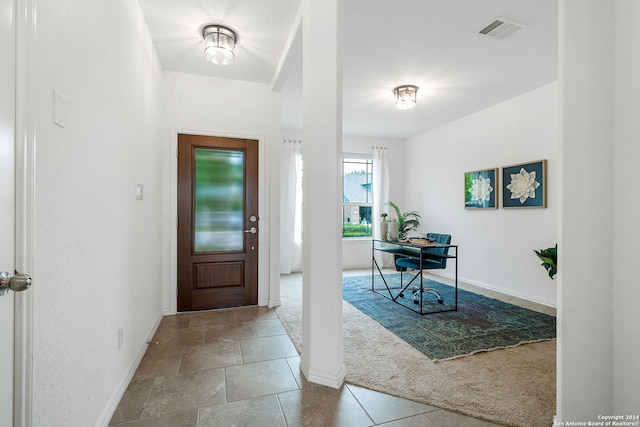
{"points": [[380, 186], [291, 207]]}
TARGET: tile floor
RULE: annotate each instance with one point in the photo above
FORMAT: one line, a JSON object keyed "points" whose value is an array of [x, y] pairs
{"points": [[237, 367]]}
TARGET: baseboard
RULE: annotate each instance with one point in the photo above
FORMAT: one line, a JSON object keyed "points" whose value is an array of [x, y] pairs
{"points": [[108, 411], [510, 292], [324, 378], [274, 303]]}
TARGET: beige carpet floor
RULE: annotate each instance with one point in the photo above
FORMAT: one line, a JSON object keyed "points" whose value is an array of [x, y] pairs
{"points": [[512, 387]]}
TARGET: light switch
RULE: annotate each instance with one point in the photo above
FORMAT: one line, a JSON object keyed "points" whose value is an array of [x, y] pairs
{"points": [[58, 108], [139, 191]]}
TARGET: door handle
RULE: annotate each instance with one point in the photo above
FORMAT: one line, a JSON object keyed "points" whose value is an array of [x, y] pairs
{"points": [[252, 230], [17, 283]]}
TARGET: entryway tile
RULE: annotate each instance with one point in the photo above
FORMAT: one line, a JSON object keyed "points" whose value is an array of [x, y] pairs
{"points": [[257, 412], [159, 361], [132, 402], [294, 365], [230, 331], [316, 405], [259, 379], [176, 419], [185, 391], [179, 337], [213, 317], [217, 354], [176, 321], [248, 314], [383, 408], [267, 348], [269, 327], [440, 418]]}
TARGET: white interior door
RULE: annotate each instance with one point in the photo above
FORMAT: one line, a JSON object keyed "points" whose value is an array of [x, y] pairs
{"points": [[7, 205]]}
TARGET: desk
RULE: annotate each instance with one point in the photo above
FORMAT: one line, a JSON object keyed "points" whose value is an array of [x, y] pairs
{"points": [[417, 252]]}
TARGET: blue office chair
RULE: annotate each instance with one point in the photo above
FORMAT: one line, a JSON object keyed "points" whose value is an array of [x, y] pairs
{"points": [[429, 262]]}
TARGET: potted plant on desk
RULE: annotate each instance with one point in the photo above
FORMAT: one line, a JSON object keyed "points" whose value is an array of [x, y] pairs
{"points": [[407, 221]]}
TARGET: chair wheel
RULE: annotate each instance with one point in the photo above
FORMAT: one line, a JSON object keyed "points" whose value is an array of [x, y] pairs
{"points": [[440, 301], [416, 302], [401, 295]]}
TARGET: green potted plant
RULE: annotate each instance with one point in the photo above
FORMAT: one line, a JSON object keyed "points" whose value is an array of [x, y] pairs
{"points": [[407, 221], [549, 258]]}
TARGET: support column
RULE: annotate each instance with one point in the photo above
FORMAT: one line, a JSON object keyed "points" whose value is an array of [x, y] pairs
{"points": [[322, 356], [585, 305]]}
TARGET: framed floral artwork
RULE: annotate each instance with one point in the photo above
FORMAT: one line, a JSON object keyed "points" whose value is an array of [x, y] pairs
{"points": [[525, 185], [481, 189]]}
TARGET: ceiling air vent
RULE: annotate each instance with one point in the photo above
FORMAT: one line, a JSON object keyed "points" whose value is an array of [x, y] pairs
{"points": [[500, 28]]}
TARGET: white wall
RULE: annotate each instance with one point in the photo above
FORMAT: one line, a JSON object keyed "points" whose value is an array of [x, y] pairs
{"points": [[97, 250], [212, 106], [356, 253], [496, 246]]}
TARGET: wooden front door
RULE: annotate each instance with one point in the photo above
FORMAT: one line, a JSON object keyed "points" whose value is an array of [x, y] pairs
{"points": [[217, 222]]}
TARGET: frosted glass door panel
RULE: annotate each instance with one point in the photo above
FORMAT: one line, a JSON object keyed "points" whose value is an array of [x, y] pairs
{"points": [[218, 200]]}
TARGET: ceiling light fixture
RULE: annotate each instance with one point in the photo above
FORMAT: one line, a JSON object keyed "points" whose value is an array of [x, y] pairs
{"points": [[405, 96], [219, 43]]}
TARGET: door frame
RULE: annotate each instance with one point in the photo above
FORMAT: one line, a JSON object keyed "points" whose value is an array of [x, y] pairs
{"points": [[263, 215], [26, 29]]}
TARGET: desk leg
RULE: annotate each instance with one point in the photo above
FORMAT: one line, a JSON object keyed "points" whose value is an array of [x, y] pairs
{"points": [[375, 263], [421, 283], [456, 279]]}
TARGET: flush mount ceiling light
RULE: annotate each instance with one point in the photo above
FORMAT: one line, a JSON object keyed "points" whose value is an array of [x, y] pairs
{"points": [[219, 43], [405, 97]]}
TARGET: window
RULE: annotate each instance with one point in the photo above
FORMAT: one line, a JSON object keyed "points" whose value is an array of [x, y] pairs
{"points": [[356, 196]]}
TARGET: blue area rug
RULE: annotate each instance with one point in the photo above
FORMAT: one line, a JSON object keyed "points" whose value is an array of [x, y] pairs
{"points": [[480, 324]]}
